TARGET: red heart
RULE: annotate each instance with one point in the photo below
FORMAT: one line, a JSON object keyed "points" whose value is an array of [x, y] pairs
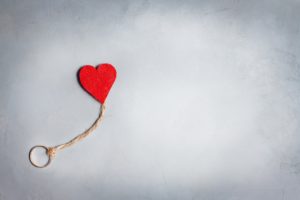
{"points": [[98, 81]]}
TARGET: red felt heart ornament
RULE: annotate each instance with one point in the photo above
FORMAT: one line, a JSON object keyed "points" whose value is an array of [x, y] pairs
{"points": [[98, 81]]}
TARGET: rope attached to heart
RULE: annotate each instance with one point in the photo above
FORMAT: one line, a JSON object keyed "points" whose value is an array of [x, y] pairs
{"points": [[97, 82]]}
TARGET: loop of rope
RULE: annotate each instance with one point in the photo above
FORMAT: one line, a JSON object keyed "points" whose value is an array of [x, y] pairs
{"points": [[51, 151]]}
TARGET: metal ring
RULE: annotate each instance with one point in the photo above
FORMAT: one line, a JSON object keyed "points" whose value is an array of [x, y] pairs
{"points": [[31, 160]]}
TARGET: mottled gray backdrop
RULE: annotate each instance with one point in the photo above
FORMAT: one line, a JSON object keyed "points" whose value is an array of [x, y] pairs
{"points": [[205, 106]]}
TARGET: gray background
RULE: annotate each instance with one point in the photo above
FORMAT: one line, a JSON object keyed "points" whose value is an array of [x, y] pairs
{"points": [[205, 106]]}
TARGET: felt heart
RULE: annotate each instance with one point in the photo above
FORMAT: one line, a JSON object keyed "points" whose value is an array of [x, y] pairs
{"points": [[98, 81]]}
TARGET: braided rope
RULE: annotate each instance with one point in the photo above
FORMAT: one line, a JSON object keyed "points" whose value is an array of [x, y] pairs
{"points": [[51, 151]]}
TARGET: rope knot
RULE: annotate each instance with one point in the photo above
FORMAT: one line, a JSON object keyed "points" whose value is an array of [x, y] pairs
{"points": [[51, 151]]}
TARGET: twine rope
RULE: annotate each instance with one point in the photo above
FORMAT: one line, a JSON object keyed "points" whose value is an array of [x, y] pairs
{"points": [[51, 151]]}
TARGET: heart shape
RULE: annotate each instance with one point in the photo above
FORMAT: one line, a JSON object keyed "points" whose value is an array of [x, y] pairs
{"points": [[98, 81]]}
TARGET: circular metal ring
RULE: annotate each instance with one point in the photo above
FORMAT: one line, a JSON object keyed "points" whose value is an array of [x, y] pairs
{"points": [[31, 160]]}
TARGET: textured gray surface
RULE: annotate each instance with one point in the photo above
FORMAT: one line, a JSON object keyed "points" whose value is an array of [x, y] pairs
{"points": [[206, 104]]}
